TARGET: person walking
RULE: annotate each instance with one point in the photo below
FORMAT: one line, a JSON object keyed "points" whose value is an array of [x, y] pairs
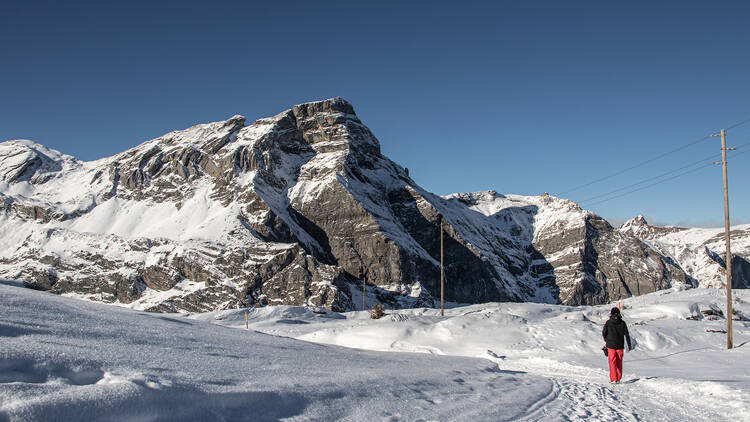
{"points": [[615, 331]]}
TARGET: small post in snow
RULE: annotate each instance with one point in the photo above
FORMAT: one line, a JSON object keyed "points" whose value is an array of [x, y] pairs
{"points": [[246, 327]]}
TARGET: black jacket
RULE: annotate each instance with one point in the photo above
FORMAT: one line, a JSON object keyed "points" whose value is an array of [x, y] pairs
{"points": [[614, 331]]}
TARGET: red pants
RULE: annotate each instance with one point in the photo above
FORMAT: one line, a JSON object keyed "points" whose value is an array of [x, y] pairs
{"points": [[615, 364]]}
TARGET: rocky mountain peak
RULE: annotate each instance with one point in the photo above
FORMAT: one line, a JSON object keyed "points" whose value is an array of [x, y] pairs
{"points": [[298, 208], [333, 122], [639, 227], [24, 160], [635, 225], [336, 105], [637, 221], [700, 252], [473, 199]]}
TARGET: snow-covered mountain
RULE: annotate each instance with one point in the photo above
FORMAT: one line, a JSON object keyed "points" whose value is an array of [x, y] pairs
{"points": [[299, 208], [700, 252]]}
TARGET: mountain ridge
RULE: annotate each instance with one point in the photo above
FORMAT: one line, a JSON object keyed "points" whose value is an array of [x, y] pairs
{"points": [[298, 208], [699, 251]]}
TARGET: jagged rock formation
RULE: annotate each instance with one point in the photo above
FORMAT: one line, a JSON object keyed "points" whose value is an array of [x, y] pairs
{"points": [[300, 208], [700, 252]]}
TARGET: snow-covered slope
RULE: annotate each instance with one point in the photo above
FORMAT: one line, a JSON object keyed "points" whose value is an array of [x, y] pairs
{"points": [[65, 359], [700, 252], [298, 208], [678, 370]]}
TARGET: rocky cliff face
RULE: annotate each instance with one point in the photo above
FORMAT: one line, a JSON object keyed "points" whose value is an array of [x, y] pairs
{"points": [[300, 208], [700, 252], [571, 255]]}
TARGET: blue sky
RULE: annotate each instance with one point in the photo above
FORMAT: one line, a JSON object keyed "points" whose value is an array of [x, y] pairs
{"points": [[520, 97]]}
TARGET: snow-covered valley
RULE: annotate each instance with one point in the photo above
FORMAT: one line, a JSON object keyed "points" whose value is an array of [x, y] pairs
{"points": [[67, 359]]}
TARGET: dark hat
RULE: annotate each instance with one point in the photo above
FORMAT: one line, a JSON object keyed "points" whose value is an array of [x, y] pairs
{"points": [[614, 311]]}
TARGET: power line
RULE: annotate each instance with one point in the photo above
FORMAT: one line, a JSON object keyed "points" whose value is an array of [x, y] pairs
{"points": [[651, 160], [712, 156], [739, 124], [702, 160], [664, 180], [653, 184], [743, 146], [641, 164]]}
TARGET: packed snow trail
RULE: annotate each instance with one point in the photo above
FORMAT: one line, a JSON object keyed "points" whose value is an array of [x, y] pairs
{"points": [[581, 394]]}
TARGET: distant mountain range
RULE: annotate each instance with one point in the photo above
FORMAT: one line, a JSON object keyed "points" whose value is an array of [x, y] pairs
{"points": [[700, 252], [303, 209]]}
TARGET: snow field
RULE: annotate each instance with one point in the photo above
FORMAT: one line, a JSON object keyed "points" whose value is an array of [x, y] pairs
{"points": [[67, 359], [678, 370]]}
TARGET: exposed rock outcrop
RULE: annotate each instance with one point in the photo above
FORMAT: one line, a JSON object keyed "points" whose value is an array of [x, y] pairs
{"points": [[700, 252]]}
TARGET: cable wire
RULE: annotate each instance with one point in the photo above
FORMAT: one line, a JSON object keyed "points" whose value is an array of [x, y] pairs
{"points": [[739, 124], [653, 184], [651, 160], [641, 164], [668, 179], [702, 160], [712, 156]]}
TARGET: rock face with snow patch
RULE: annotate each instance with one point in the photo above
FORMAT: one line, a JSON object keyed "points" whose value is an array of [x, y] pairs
{"points": [[574, 254], [299, 208], [700, 252]]}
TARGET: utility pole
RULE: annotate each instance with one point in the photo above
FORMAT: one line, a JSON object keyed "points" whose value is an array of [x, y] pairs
{"points": [[442, 271], [728, 259]]}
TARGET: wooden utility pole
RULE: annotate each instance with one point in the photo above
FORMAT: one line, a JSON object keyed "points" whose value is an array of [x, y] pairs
{"points": [[442, 272], [728, 259]]}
